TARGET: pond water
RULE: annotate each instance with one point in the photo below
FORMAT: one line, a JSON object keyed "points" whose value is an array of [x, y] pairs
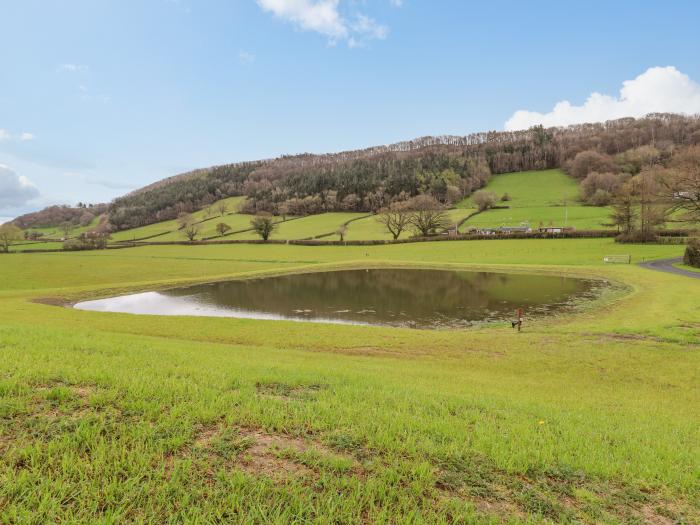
{"points": [[394, 297]]}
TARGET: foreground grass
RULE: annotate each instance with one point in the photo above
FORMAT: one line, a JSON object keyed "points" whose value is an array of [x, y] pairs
{"points": [[119, 418]]}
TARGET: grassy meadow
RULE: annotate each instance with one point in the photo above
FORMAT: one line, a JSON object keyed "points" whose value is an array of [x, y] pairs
{"points": [[590, 417], [547, 197]]}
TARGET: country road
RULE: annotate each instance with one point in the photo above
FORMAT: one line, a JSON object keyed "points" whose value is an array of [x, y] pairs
{"points": [[666, 265]]}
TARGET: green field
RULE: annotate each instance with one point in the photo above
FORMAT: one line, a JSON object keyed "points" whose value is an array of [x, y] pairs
{"points": [[55, 232], [580, 217], [306, 227], [168, 230], [547, 197], [112, 418], [369, 229]]}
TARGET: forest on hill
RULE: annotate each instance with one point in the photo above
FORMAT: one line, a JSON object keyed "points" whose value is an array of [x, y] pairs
{"points": [[602, 156], [447, 167]]}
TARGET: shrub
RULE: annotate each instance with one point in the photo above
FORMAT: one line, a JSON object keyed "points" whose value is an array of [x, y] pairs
{"points": [[484, 199], [505, 197], [595, 181], [692, 253], [601, 198]]}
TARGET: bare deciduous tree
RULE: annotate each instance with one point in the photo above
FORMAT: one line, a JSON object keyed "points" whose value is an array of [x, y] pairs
{"points": [[67, 227], [222, 228], [395, 219], [624, 213], [188, 225], [427, 215], [222, 207], [191, 231], [681, 184]]}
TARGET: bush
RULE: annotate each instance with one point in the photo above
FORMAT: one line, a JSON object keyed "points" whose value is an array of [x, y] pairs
{"points": [[505, 197], [692, 253], [601, 198], [73, 245], [595, 181], [484, 199], [93, 240]]}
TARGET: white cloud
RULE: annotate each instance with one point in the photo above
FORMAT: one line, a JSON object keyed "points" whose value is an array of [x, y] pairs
{"points": [[324, 17], [321, 16], [15, 190], [4, 135], [364, 25], [396, 3], [245, 58], [657, 90], [72, 68], [25, 136]]}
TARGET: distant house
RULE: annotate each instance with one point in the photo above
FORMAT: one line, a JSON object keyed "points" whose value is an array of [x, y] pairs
{"points": [[506, 230], [503, 230], [554, 229]]}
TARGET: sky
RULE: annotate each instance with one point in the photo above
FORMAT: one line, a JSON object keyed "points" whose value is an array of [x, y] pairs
{"points": [[100, 97]]}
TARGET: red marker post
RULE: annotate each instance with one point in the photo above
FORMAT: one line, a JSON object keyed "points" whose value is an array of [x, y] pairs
{"points": [[519, 319]]}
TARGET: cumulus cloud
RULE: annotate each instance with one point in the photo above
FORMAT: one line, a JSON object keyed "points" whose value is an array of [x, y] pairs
{"points": [[324, 17], [25, 136], [4, 135], [15, 190], [657, 90]]}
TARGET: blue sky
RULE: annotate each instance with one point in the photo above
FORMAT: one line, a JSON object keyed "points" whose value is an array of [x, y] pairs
{"points": [[98, 97]]}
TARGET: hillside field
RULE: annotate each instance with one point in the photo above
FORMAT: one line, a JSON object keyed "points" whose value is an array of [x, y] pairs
{"points": [[549, 197], [590, 417]]}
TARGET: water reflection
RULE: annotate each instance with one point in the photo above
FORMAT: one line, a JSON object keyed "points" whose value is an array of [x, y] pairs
{"points": [[396, 297]]}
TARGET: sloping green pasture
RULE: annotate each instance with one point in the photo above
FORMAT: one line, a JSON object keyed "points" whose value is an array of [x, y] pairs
{"points": [[547, 197], [588, 418]]}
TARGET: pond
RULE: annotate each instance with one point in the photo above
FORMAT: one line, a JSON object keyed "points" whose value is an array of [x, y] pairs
{"points": [[394, 297]]}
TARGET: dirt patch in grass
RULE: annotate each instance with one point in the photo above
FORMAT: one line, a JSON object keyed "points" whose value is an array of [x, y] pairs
{"points": [[566, 496], [277, 456], [651, 514], [52, 301], [286, 391]]}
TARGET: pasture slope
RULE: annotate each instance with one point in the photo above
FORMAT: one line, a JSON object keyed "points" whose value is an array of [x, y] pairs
{"points": [[114, 418], [549, 197]]}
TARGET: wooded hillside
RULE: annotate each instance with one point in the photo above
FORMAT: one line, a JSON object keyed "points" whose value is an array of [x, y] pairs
{"points": [[448, 167]]}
